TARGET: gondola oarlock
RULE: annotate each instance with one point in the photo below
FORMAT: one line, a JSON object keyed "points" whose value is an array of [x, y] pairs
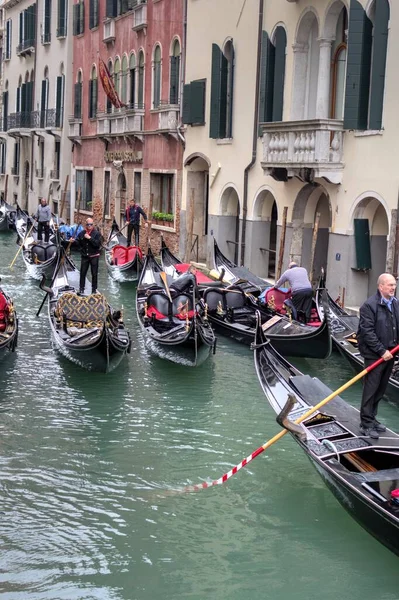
{"points": [[278, 436]]}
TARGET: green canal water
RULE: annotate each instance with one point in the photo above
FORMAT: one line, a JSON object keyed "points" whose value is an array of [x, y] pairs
{"points": [[87, 462]]}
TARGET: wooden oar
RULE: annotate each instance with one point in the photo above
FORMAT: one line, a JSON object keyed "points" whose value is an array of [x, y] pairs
{"points": [[164, 278], [278, 436], [21, 246]]}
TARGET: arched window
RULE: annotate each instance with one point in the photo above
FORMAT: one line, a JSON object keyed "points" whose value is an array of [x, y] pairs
{"points": [[44, 100], [156, 82], [132, 80], [77, 110], [174, 74], [108, 101], [222, 87], [124, 80], [338, 67], [140, 91], [117, 75], [93, 93]]}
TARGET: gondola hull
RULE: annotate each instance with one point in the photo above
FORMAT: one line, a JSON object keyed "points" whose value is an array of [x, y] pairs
{"points": [[127, 272], [8, 337], [187, 341], [7, 216], [126, 268], [37, 270], [99, 345], [360, 472]]}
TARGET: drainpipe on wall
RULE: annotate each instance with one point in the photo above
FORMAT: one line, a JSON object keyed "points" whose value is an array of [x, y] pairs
{"points": [[33, 105], [255, 133]]}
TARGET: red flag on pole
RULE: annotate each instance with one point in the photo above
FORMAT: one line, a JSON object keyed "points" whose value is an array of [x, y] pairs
{"points": [[108, 85]]}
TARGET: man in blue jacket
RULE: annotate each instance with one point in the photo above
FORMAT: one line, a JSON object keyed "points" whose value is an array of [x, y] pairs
{"points": [[132, 215], [377, 335]]}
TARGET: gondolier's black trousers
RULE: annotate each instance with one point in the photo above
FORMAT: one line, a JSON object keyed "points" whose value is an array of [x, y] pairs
{"points": [[87, 261], [374, 386], [46, 226], [302, 300], [130, 228]]}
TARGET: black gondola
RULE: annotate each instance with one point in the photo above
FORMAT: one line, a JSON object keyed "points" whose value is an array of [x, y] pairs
{"points": [[8, 324], [233, 273], [124, 262], [362, 473], [232, 310], [7, 216], [173, 323], [84, 328], [343, 331]]}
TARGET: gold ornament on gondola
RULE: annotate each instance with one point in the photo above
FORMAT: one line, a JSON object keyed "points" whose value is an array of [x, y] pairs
{"points": [[206, 312], [219, 309], [289, 313], [272, 302], [145, 310]]}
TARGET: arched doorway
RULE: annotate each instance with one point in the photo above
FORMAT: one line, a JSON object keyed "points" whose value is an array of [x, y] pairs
{"points": [[263, 235], [373, 210], [120, 200], [229, 226], [309, 245], [197, 197]]}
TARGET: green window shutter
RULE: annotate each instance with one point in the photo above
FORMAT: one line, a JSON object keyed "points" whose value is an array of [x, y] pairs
{"points": [[75, 19], [43, 103], [362, 244], [358, 68], [77, 110], [33, 22], [279, 74], [29, 96], [174, 79], [58, 101], [111, 8], [23, 98], [223, 97], [132, 95], [266, 80], [21, 26], [230, 93], [81, 17], [380, 37], [47, 19], [94, 96], [214, 126], [186, 117], [90, 98], [197, 109], [5, 111]]}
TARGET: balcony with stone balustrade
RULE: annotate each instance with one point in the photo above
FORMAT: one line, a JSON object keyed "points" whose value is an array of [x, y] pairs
{"points": [[308, 149]]}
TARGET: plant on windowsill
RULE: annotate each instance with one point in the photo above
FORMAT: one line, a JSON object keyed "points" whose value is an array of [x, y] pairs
{"points": [[160, 218]]}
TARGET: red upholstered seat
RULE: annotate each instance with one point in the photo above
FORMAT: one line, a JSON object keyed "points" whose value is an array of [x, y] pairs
{"points": [[152, 310], [278, 296], [122, 255], [4, 308], [200, 277]]}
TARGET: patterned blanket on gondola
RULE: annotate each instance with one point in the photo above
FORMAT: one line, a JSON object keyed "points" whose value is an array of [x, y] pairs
{"points": [[82, 311]]}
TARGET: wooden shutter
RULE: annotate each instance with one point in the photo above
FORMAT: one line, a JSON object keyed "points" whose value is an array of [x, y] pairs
{"points": [[62, 18], [23, 98], [174, 79], [58, 101], [43, 104], [214, 125], [77, 111], [197, 109], [380, 42], [76, 13], [21, 26], [362, 244], [33, 22], [157, 84], [230, 92], [81, 17], [266, 80], [186, 116], [279, 74], [93, 16], [111, 8], [5, 111], [358, 68], [223, 97], [132, 96], [47, 19]]}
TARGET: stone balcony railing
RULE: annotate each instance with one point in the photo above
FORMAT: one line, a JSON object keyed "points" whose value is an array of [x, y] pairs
{"points": [[122, 122], [305, 149], [168, 118], [139, 16], [75, 127]]}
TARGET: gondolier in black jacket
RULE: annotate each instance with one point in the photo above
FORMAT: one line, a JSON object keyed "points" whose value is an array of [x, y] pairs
{"points": [[89, 241], [377, 335], [132, 215]]}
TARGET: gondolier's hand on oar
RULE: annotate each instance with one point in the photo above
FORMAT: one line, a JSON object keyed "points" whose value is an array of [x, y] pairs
{"points": [[387, 355]]}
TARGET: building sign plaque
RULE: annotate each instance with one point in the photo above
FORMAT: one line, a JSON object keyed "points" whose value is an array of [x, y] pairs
{"points": [[124, 155]]}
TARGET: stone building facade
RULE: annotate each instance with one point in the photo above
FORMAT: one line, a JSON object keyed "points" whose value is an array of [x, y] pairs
{"points": [[290, 114], [135, 150]]}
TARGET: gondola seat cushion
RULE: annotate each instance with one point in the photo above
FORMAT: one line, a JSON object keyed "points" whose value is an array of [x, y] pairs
{"points": [[122, 255], [4, 312], [42, 252], [182, 307], [158, 305], [200, 277], [82, 311], [214, 299]]}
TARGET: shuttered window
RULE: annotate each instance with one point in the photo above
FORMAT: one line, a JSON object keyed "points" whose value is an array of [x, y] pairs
{"points": [[194, 102], [92, 98], [362, 244], [46, 36], [44, 103], [5, 111], [78, 18], [365, 74], [140, 90], [132, 80], [93, 17], [77, 110], [62, 18], [272, 77], [157, 78], [111, 8], [7, 54], [222, 87], [174, 74], [59, 101]]}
